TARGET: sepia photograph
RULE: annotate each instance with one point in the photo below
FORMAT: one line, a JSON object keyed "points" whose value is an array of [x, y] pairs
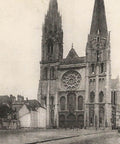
{"points": [[59, 72]]}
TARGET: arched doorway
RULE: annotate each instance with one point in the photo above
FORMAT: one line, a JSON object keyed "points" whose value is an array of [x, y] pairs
{"points": [[80, 120], [62, 121], [71, 121]]}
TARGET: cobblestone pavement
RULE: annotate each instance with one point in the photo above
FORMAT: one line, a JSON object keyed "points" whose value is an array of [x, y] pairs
{"points": [[52, 136]]}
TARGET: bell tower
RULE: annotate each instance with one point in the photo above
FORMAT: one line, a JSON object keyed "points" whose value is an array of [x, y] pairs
{"points": [[98, 71], [52, 38], [52, 54]]}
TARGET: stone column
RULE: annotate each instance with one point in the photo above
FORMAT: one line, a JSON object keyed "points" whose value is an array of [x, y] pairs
{"points": [[39, 94], [108, 109], [86, 101], [48, 106], [77, 102], [66, 108], [96, 118], [86, 116], [56, 120]]}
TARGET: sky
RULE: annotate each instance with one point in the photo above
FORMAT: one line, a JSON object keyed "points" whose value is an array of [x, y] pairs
{"points": [[20, 39]]}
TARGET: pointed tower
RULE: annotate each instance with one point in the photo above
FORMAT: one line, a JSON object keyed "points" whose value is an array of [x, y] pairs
{"points": [[99, 24], [52, 54], [52, 39], [98, 71]]}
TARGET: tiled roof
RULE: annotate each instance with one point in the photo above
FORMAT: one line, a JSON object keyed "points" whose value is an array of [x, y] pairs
{"points": [[73, 58], [32, 104]]}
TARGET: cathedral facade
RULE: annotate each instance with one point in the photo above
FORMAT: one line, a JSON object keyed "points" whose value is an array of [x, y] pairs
{"points": [[76, 90]]}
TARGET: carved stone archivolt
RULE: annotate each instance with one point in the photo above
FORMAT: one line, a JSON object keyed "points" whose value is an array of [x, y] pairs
{"points": [[71, 80]]}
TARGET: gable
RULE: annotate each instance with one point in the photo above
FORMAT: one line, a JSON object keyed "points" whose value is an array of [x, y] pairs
{"points": [[72, 54], [24, 110], [73, 58], [32, 105]]}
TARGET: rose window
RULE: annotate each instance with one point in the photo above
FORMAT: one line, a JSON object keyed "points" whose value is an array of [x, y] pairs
{"points": [[71, 80]]}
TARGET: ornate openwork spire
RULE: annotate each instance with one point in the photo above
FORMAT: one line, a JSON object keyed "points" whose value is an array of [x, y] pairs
{"points": [[99, 24], [52, 37], [53, 4]]}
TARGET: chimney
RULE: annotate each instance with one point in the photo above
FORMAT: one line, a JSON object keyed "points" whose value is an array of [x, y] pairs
{"points": [[13, 98], [20, 98]]}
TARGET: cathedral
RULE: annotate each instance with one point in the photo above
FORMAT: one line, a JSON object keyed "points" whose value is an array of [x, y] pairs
{"points": [[76, 90]]}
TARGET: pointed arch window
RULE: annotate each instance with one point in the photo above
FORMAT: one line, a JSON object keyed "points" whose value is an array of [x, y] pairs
{"points": [[62, 103], [45, 100], [113, 97], [102, 67], [71, 102], [52, 73], [50, 46], [101, 97], [52, 101], [45, 73], [98, 39], [80, 103], [98, 56], [92, 97], [92, 68]]}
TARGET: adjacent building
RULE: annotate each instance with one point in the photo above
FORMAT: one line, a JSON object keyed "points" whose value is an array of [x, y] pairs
{"points": [[115, 101], [20, 113], [8, 119], [32, 115]]}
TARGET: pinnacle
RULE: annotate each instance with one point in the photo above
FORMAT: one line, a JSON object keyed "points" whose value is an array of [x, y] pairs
{"points": [[99, 23], [53, 4]]}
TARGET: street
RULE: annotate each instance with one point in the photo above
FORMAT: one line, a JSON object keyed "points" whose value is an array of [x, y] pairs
{"points": [[109, 139], [92, 139], [102, 138], [60, 136]]}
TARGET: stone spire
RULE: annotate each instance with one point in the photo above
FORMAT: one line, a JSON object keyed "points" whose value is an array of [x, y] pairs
{"points": [[53, 5], [99, 24], [52, 38], [53, 18]]}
